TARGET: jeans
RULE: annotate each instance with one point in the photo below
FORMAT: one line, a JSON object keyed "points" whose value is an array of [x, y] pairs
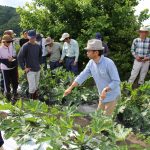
{"points": [[69, 65], [54, 65]]}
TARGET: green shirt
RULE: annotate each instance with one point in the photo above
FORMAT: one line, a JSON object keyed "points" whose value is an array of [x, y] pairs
{"points": [[54, 51]]}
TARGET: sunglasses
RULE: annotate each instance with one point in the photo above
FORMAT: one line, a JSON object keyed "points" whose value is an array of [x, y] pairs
{"points": [[7, 41]]}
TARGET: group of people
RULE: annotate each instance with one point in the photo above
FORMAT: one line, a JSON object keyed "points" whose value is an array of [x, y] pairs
{"points": [[35, 49]]}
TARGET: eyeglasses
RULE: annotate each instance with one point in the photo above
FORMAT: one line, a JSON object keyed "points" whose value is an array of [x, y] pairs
{"points": [[7, 41]]}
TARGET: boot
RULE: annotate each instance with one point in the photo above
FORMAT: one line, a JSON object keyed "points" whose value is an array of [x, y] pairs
{"points": [[14, 98], [8, 96], [36, 94], [15, 95], [31, 95]]}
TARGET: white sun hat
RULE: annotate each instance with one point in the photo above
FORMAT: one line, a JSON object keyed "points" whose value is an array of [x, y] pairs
{"points": [[64, 36], [144, 29]]}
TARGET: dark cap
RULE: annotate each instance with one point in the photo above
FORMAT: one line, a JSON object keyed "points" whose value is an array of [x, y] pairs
{"points": [[31, 34], [98, 36]]}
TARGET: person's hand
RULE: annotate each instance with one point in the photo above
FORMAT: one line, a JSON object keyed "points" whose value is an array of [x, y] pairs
{"points": [[27, 70], [138, 58], [60, 61], [10, 59], [145, 59], [103, 94], [74, 63], [68, 91]]}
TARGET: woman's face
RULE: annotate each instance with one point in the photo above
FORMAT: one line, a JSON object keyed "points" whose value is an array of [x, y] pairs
{"points": [[6, 43]]}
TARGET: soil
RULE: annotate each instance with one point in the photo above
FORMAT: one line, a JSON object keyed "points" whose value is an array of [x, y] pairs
{"points": [[132, 141]]}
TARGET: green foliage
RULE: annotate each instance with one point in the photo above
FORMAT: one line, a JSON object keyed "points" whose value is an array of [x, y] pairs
{"points": [[134, 108], [53, 84], [57, 127], [82, 19], [9, 20]]}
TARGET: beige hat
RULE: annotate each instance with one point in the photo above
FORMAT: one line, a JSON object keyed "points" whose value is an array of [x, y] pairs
{"points": [[9, 32], [49, 40], [7, 38], [144, 29], [94, 44], [64, 36]]}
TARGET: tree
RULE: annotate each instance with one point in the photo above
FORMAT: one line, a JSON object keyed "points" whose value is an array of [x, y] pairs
{"points": [[115, 20], [9, 19]]}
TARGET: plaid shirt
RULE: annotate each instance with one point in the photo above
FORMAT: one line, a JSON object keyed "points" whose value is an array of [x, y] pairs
{"points": [[141, 48]]}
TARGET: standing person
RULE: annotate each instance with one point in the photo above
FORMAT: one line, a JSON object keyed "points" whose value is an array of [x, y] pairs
{"points": [[29, 60], [53, 49], [106, 50], [70, 52], [141, 52], [9, 68], [24, 38], [1, 76], [41, 41], [12, 44], [105, 74]]}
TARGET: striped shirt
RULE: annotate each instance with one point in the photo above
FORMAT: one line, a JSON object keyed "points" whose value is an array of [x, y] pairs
{"points": [[141, 47]]}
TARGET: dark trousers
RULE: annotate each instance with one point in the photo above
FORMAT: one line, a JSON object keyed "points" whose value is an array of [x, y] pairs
{"points": [[69, 65], [44, 61], [1, 82], [10, 77], [1, 140], [54, 65]]}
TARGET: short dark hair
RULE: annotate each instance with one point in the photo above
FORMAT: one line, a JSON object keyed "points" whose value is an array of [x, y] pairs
{"points": [[24, 31], [100, 52]]}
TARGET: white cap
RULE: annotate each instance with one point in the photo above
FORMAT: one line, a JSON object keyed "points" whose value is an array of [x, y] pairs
{"points": [[64, 36], [143, 29], [94, 44]]}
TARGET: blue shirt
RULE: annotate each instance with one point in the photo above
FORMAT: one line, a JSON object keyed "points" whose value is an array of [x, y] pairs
{"points": [[70, 50], [105, 74]]}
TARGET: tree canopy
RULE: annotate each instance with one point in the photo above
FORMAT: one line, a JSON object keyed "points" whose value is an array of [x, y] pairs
{"points": [[114, 19], [9, 19]]}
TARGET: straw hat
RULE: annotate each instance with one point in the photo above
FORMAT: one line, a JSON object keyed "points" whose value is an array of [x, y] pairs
{"points": [[49, 40], [7, 38]]}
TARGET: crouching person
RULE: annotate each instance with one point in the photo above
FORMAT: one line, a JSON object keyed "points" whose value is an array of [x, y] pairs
{"points": [[9, 68], [29, 60]]}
